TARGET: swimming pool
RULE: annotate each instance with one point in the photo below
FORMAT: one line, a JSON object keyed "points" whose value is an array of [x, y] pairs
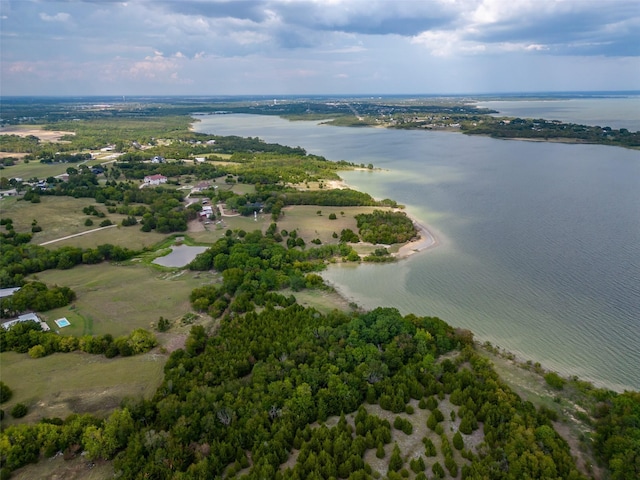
{"points": [[63, 322]]}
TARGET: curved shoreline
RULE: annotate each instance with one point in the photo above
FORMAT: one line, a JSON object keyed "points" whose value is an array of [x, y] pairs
{"points": [[425, 240]]}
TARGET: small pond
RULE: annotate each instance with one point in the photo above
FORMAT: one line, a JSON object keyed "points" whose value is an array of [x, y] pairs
{"points": [[180, 256]]}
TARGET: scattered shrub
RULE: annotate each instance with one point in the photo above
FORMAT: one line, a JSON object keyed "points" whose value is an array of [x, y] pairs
{"points": [[5, 392], [19, 410]]}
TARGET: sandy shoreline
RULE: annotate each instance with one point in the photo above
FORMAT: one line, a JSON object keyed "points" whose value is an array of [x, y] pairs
{"points": [[425, 241], [426, 238]]}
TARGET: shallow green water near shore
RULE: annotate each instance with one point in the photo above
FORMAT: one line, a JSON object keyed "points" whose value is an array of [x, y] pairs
{"points": [[539, 243]]}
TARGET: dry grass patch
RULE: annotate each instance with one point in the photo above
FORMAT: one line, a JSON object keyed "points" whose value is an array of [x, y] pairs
{"points": [[36, 131], [57, 468]]}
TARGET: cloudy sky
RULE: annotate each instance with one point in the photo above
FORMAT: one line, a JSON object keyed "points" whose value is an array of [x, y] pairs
{"points": [[219, 47]]}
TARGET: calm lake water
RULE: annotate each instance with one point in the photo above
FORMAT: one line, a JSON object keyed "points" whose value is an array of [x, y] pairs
{"points": [[539, 242], [616, 112], [180, 256]]}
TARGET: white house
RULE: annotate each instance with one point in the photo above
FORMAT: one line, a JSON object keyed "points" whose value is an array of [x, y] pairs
{"points": [[27, 317], [156, 179]]}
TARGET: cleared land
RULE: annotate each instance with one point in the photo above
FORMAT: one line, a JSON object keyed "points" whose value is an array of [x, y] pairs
{"points": [[117, 299], [63, 216], [66, 383], [36, 131], [58, 468]]}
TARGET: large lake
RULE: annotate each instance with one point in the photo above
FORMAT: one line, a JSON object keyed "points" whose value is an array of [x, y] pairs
{"points": [[539, 242], [615, 112]]}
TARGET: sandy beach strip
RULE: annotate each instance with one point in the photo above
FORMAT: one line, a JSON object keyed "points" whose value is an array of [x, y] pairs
{"points": [[425, 241]]}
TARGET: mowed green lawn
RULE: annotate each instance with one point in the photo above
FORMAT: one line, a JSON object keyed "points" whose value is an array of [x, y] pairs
{"points": [[65, 383], [117, 299]]}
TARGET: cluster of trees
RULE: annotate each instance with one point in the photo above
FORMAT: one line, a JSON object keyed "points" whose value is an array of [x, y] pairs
{"points": [[19, 144], [11, 237], [244, 398], [545, 129], [617, 440], [28, 337], [165, 212], [253, 268], [47, 157], [17, 261], [35, 296], [385, 227], [379, 255], [336, 198]]}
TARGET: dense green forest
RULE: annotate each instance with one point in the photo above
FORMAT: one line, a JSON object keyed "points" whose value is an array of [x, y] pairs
{"points": [[386, 227]]}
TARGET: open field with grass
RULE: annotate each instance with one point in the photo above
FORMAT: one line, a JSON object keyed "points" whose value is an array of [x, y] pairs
{"points": [[34, 169], [58, 216], [325, 301], [117, 299], [65, 383], [59, 468], [63, 216], [36, 131], [310, 225]]}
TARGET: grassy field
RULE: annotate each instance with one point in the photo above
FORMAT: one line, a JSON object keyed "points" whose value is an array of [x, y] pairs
{"points": [[310, 225], [63, 216], [59, 468], [34, 169], [117, 299], [325, 301], [58, 216], [65, 383]]}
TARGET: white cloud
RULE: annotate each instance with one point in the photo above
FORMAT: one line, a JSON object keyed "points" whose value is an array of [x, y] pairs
{"points": [[248, 37], [58, 17]]}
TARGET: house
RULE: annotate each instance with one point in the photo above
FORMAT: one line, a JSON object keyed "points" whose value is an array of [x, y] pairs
{"points": [[27, 317], [156, 179], [7, 292], [206, 212]]}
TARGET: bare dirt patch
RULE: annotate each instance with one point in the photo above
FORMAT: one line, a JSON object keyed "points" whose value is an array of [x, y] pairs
{"points": [[44, 135], [11, 154]]}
